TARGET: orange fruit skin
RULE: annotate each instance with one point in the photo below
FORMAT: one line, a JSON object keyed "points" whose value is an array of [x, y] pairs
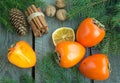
{"points": [[89, 34], [95, 67], [65, 35], [70, 53], [22, 55]]}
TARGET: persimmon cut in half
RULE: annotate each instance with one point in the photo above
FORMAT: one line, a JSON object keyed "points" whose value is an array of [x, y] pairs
{"points": [[63, 34], [22, 55]]}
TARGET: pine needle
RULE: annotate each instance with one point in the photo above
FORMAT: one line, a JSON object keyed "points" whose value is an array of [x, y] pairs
{"points": [[26, 79], [52, 73], [6, 5], [110, 45], [23, 79], [7, 80], [83, 6]]}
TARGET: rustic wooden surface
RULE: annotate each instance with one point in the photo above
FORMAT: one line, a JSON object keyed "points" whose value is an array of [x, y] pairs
{"points": [[43, 45], [7, 69]]}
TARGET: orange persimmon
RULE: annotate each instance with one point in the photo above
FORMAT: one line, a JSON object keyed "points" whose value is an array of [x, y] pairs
{"points": [[95, 67], [90, 32], [22, 55], [69, 53]]}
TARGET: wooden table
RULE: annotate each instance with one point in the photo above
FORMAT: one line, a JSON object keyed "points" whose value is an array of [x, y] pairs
{"points": [[42, 45]]}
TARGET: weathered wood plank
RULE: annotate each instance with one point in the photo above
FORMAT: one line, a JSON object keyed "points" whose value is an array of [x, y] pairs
{"points": [[44, 44], [6, 68], [115, 66]]}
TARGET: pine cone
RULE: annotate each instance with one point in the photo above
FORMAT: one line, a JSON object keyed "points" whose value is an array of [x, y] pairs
{"points": [[17, 19]]}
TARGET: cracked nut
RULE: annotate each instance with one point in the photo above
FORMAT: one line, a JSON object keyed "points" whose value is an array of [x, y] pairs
{"points": [[60, 3], [50, 10], [61, 14]]}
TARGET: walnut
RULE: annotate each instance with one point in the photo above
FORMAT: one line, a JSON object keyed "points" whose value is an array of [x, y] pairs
{"points": [[60, 3], [50, 10], [61, 14]]}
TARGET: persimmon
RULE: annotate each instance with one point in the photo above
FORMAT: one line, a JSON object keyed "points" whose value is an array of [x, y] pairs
{"points": [[95, 67], [22, 55], [90, 32], [69, 53]]}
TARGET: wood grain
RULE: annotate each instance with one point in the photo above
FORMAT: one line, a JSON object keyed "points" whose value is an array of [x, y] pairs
{"points": [[6, 68]]}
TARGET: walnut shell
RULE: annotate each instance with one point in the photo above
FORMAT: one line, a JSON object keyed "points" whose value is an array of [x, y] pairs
{"points": [[50, 10], [60, 3], [61, 14]]}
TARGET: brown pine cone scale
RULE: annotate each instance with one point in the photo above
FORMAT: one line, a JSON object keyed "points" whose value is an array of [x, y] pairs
{"points": [[18, 20]]}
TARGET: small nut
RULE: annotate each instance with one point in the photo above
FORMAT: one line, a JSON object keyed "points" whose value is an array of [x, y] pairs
{"points": [[61, 14], [50, 10], [60, 3]]}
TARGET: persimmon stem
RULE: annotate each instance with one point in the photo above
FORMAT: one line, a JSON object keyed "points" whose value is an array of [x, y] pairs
{"points": [[11, 47], [96, 22], [57, 57]]}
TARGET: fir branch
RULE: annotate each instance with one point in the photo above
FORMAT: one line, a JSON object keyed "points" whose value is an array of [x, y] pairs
{"points": [[26, 79], [23, 79], [86, 4], [116, 20], [53, 73], [110, 45], [7, 80], [6, 5]]}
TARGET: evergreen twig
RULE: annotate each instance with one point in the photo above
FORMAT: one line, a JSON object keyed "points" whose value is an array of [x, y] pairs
{"points": [[78, 8], [51, 72], [7, 80], [26, 79], [23, 79], [6, 5], [111, 45]]}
